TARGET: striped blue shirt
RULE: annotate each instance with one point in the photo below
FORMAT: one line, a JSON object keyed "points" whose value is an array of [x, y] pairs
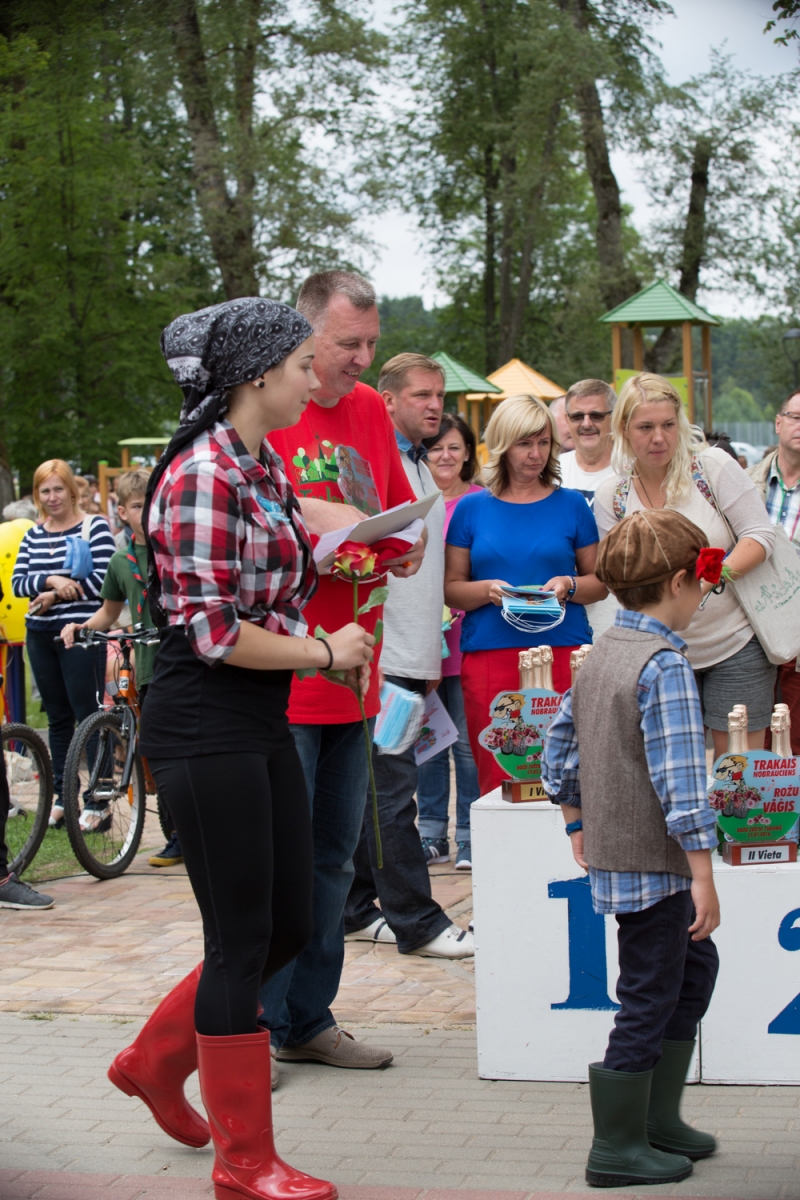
{"points": [[42, 554], [674, 746]]}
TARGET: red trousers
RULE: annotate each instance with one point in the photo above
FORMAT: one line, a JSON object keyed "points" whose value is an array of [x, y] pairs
{"points": [[484, 673]]}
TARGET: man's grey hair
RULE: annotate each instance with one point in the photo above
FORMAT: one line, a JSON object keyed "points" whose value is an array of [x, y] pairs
{"points": [[318, 290], [591, 387]]}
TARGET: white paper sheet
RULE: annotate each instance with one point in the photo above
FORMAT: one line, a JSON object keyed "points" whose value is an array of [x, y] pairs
{"points": [[392, 523], [437, 732]]}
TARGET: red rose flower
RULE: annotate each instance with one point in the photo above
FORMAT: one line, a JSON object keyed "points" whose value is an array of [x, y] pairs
{"points": [[709, 564]]}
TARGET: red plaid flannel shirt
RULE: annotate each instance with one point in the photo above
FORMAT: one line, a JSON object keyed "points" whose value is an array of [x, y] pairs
{"points": [[229, 544]]}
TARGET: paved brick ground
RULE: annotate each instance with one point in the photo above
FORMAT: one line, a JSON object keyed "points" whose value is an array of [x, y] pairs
{"points": [[426, 1124], [116, 947]]}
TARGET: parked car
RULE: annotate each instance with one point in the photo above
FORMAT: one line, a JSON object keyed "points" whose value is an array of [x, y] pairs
{"points": [[753, 454]]}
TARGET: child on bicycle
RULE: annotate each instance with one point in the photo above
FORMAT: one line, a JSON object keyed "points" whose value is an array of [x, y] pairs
{"points": [[125, 583]]}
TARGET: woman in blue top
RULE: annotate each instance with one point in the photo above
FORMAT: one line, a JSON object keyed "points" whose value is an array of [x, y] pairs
{"points": [[523, 529]]}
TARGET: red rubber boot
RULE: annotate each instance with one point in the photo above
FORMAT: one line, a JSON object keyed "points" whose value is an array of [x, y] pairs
{"points": [[156, 1065], [235, 1084]]}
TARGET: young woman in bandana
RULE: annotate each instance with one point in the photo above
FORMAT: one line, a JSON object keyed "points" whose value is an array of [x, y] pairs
{"points": [[230, 571]]}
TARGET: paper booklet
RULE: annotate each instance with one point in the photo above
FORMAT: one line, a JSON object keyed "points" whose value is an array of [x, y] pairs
{"points": [[404, 521]]}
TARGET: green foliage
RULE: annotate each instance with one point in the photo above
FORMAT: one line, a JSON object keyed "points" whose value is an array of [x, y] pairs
{"points": [[100, 242], [736, 404], [750, 355], [104, 236]]}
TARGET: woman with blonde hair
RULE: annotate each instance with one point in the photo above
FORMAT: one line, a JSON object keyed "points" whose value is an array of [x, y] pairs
{"points": [[69, 683], [524, 528], [661, 461]]}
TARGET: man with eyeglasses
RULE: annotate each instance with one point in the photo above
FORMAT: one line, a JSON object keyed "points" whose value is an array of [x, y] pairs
{"points": [[777, 477], [587, 409]]}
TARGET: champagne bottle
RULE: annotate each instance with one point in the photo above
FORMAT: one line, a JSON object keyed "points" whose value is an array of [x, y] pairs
{"points": [[737, 731], [781, 731], [526, 670], [546, 668], [577, 659]]}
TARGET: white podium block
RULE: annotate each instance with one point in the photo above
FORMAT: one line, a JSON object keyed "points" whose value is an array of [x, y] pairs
{"points": [[751, 1032], [543, 957], [546, 963]]}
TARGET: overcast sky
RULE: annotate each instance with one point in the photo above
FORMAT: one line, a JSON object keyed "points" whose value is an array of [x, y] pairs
{"points": [[402, 267]]}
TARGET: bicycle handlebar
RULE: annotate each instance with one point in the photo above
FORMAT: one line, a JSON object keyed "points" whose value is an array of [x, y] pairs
{"points": [[90, 637]]}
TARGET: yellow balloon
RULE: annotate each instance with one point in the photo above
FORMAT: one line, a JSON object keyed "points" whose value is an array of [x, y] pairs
{"points": [[12, 610]]}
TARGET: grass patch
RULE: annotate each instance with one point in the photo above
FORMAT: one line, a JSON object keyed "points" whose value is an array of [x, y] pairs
{"points": [[54, 858]]}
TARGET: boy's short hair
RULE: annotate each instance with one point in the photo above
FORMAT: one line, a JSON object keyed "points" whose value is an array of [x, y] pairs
{"points": [[641, 553], [132, 483]]}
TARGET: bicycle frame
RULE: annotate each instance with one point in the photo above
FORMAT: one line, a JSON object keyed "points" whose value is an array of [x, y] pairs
{"points": [[130, 711]]}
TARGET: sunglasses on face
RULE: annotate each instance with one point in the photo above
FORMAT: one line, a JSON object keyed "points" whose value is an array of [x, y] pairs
{"points": [[596, 418]]}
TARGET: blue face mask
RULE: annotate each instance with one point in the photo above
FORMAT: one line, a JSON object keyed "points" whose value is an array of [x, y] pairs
{"points": [[399, 720], [531, 609]]}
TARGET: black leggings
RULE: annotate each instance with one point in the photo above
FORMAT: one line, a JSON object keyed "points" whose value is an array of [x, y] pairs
{"points": [[244, 825]]}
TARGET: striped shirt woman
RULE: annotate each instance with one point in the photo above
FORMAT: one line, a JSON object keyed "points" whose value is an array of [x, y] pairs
{"points": [[42, 554], [70, 681]]}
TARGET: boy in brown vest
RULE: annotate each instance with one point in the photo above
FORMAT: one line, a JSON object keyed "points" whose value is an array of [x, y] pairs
{"points": [[640, 823]]}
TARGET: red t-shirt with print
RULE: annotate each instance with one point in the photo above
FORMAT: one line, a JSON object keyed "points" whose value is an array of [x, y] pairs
{"points": [[346, 454]]}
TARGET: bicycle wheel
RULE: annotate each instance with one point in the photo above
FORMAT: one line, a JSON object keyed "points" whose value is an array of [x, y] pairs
{"points": [[104, 820], [30, 785]]}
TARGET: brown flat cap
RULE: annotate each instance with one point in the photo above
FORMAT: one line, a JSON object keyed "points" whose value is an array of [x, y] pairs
{"points": [[647, 547]]}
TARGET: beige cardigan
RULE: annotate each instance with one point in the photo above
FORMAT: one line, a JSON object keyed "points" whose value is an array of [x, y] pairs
{"points": [[721, 628]]}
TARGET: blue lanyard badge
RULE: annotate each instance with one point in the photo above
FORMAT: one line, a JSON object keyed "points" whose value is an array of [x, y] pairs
{"points": [[274, 508]]}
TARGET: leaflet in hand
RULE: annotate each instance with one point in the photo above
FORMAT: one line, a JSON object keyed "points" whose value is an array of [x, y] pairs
{"points": [[405, 521]]}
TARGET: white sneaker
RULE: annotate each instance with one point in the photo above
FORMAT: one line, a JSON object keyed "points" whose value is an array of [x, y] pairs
{"points": [[378, 931], [56, 815], [450, 943]]}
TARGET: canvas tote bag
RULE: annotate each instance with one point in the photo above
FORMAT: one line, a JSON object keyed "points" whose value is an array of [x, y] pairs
{"points": [[770, 594]]}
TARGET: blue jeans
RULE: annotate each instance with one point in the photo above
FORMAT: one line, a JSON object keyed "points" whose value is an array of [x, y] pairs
{"points": [[433, 788], [71, 685], [297, 1000]]}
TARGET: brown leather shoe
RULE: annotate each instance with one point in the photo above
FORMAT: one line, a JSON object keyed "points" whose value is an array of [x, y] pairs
{"points": [[337, 1048]]}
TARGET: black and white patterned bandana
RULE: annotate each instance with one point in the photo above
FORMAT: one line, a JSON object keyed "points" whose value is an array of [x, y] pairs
{"points": [[215, 349]]}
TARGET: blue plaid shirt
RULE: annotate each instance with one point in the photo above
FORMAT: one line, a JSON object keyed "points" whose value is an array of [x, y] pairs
{"points": [[783, 504], [674, 746]]}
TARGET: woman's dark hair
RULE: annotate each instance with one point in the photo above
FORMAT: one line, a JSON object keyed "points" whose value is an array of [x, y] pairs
{"points": [[453, 421]]}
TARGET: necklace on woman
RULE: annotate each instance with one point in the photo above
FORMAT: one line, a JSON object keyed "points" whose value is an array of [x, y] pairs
{"points": [[644, 489]]}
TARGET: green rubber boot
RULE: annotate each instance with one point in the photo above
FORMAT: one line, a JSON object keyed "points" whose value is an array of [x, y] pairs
{"points": [[620, 1151], [665, 1129]]}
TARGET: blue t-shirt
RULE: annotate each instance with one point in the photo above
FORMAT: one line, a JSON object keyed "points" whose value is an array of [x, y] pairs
{"points": [[523, 544]]}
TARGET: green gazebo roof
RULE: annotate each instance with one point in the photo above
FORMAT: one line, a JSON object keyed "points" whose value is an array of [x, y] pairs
{"points": [[458, 378], [658, 304]]}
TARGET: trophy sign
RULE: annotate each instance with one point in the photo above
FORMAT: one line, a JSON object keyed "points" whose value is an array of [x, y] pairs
{"points": [[756, 794], [519, 724]]}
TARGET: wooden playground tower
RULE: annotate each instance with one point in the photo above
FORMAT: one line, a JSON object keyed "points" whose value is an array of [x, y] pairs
{"points": [[661, 306]]}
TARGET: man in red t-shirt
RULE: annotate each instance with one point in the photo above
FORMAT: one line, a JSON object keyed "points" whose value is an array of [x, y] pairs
{"points": [[343, 462]]}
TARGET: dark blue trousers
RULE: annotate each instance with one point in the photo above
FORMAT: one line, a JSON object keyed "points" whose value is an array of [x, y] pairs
{"points": [[665, 982]]}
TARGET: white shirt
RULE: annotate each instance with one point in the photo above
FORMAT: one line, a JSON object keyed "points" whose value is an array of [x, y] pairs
{"points": [[601, 614]]}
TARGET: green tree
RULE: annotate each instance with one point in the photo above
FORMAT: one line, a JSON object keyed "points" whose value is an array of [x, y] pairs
{"points": [[736, 404], [713, 183], [509, 162], [268, 93], [100, 240]]}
